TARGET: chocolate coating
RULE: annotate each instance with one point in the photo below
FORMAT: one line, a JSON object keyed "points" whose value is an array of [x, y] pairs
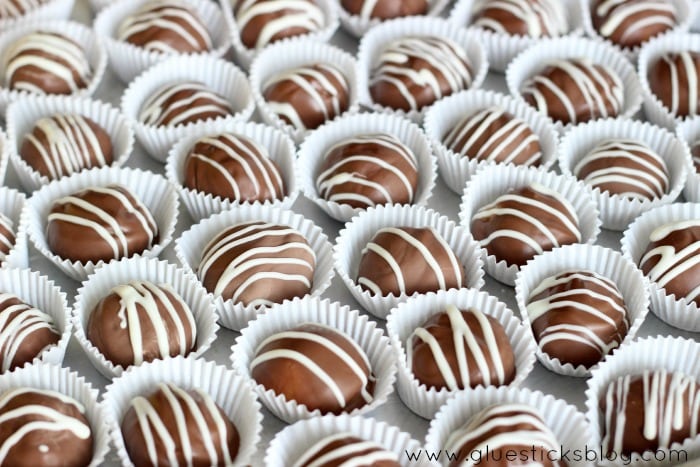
{"points": [[494, 135], [385, 9], [258, 264], [140, 322], [7, 236], [64, 144], [100, 224], [695, 153], [575, 91], [338, 381], [525, 222], [485, 351], [337, 449], [165, 26], [425, 261], [182, 103], [531, 18], [43, 427], [200, 432], [233, 167], [10, 9], [415, 71], [578, 317], [632, 22], [671, 78], [46, 63], [368, 170], [308, 96], [262, 22]]}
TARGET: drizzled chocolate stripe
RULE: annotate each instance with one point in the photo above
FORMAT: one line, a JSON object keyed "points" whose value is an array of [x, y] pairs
{"points": [[264, 21], [182, 103], [675, 80], [347, 450], [16, 8], [629, 23], [534, 18], [7, 236]]}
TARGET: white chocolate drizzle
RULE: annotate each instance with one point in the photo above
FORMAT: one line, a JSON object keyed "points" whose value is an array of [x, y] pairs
{"points": [[298, 14], [688, 69], [360, 452], [651, 13], [7, 236], [17, 8], [541, 17], [157, 109]]}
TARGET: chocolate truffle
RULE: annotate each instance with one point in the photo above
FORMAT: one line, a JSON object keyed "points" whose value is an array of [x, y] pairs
{"points": [[183, 103], [626, 168], [46, 63], [367, 170], [525, 222], [384, 9], [258, 264], [578, 317], [695, 153], [675, 80], [494, 135], [650, 411], [632, 22], [176, 426], [530, 18], [140, 322], [460, 349], [413, 72], [100, 224], [315, 366], [308, 96], [25, 332], [408, 260], [506, 428], [233, 167], [7, 236], [10, 9], [262, 22], [347, 449], [575, 91], [671, 259], [63, 144], [43, 427]]}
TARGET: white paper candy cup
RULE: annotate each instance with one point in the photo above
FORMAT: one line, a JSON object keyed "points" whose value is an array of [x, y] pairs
{"points": [[411, 314], [689, 131], [152, 190], [51, 377], [377, 38], [99, 284], [358, 26], [315, 147], [12, 205], [501, 49], [190, 246], [51, 10], [129, 60], [98, 5], [495, 180], [296, 312], [616, 212], [4, 156], [81, 34], [604, 261], [533, 60], [289, 54], [456, 170], [360, 230], [292, 442], [23, 114], [677, 312], [568, 425], [232, 393], [672, 354], [218, 75]]}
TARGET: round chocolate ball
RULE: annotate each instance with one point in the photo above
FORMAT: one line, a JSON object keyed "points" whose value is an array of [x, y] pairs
{"points": [[632, 22], [262, 22], [530, 18], [675, 80], [460, 349], [100, 224], [408, 260], [415, 71], [46, 63], [525, 222], [385, 9], [347, 449], [64, 144], [315, 366], [7, 236], [10, 9], [368, 170], [176, 426], [182, 103]]}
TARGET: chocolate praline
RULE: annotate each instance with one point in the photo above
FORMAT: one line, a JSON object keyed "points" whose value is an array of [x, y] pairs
{"points": [[7, 236], [385, 9], [182, 103], [10, 9], [343, 448], [262, 22], [675, 80], [632, 22], [530, 18]]}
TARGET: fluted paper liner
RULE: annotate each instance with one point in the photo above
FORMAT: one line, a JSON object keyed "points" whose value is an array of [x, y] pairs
{"points": [[347, 251], [220, 76], [51, 10], [358, 26], [495, 180], [99, 285], [4, 156], [231, 392], [152, 190], [442, 117], [12, 205], [23, 114], [190, 246], [313, 150], [296, 312], [411, 314], [377, 38], [604, 261], [616, 212], [689, 131]]}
